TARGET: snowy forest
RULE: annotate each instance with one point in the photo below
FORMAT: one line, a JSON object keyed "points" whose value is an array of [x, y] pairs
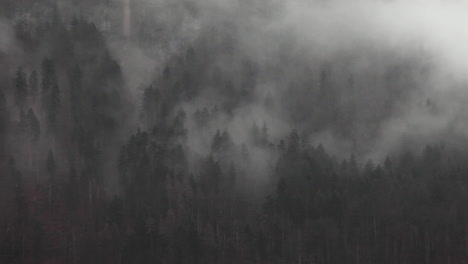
{"points": [[242, 131]]}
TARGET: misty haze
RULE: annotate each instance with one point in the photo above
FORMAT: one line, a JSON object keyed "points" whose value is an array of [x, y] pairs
{"points": [[234, 131]]}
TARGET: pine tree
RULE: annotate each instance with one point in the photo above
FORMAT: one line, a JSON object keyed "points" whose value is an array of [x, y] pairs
{"points": [[21, 89], [48, 79], [76, 94], [293, 142], [3, 119], [33, 84], [33, 126], [50, 164], [72, 188], [22, 123], [52, 107], [264, 135], [149, 105], [49, 91], [216, 142], [255, 134]]}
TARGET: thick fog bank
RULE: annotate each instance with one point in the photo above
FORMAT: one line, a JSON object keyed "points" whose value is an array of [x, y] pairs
{"points": [[289, 44]]}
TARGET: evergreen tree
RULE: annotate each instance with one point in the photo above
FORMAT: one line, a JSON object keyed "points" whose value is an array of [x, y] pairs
{"points": [[255, 134], [22, 123], [217, 141], [21, 89], [51, 168], [72, 188], [3, 120], [264, 135], [33, 84], [33, 126], [52, 108], [149, 105], [50, 94], [293, 142], [48, 79], [50, 164], [76, 95]]}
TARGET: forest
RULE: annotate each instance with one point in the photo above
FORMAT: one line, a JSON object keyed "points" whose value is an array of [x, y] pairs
{"points": [[213, 135]]}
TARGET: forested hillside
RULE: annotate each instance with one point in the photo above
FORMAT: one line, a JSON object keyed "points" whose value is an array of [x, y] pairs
{"points": [[211, 136]]}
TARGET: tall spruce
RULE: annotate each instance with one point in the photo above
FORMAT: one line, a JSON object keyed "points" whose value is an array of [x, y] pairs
{"points": [[21, 89], [33, 126], [33, 84], [50, 95]]}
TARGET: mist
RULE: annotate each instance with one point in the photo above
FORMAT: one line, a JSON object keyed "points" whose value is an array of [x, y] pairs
{"points": [[233, 131], [366, 37]]}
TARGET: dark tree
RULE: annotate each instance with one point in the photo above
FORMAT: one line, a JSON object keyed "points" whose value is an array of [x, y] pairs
{"points": [[52, 108], [76, 95], [3, 120], [47, 74], [50, 164], [21, 89], [33, 126], [33, 84]]}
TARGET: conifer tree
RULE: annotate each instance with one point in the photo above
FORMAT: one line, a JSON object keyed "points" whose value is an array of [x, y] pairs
{"points": [[21, 89], [52, 108], [33, 84], [33, 126]]}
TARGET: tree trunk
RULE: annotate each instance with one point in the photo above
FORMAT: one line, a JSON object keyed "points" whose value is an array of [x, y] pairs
{"points": [[357, 255], [89, 195], [50, 196], [299, 253], [375, 231], [428, 248]]}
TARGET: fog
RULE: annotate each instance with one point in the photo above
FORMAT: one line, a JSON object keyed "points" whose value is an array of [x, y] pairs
{"points": [[233, 131], [289, 43], [368, 36]]}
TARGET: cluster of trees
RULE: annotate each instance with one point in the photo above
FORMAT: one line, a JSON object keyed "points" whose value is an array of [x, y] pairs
{"points": [[409, 209], [61, 111], [63, 119]]}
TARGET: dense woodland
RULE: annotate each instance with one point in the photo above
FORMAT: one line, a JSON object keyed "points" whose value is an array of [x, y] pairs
{"points": [[89, 176]]}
